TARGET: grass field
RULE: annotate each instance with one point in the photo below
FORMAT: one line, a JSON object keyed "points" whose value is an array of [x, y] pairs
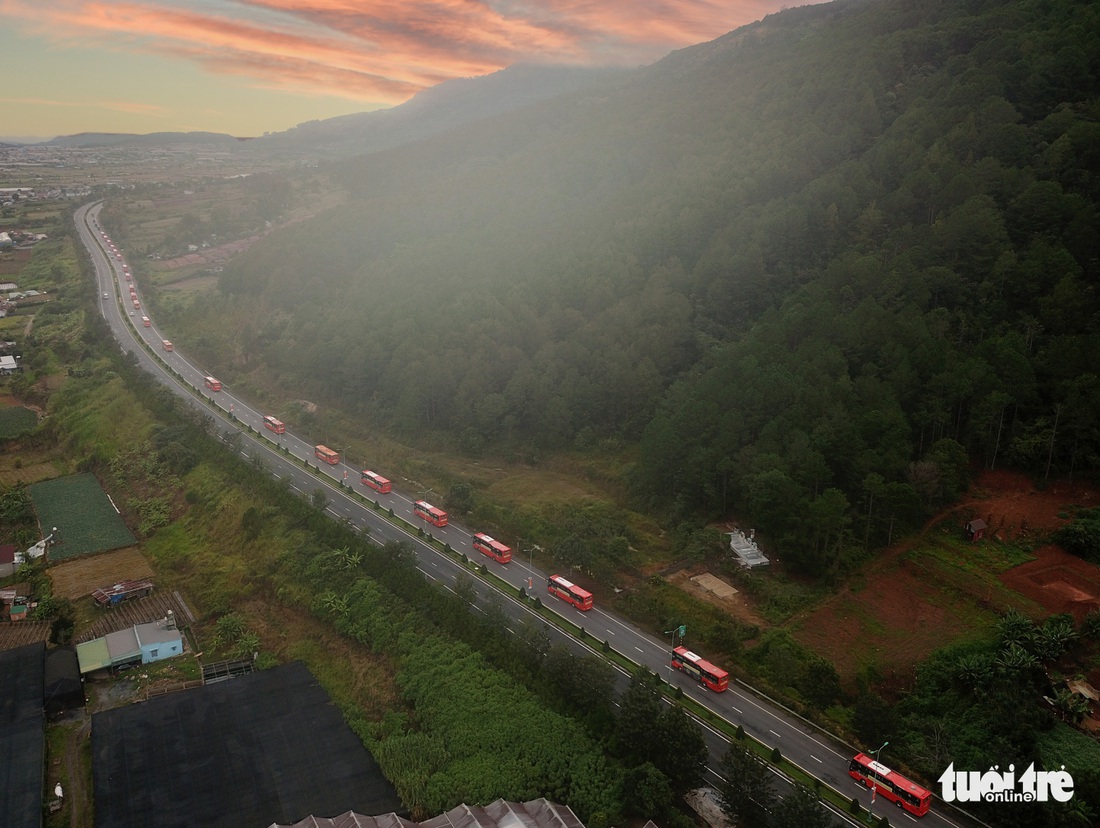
{"points": [[83, 514], [16, 420]]}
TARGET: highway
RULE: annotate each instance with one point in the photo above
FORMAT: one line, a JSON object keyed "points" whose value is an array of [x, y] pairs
{"points": [[800, 743]]}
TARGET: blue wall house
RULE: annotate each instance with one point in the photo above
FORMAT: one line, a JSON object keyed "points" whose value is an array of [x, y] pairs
{"points": [[158, 640], [141, 644]]}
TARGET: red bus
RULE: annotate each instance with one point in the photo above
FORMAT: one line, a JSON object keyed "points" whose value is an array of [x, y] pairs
{"points": [[711, 677], [892, 785], [376, 482], [569, 592], [145, 321], [167, 345], [434, 516], [128, 279], [493, 548], [213, 384], [137, 305], [271, 424], [326, 454]]}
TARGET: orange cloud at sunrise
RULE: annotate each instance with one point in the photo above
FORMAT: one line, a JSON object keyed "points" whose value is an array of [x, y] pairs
{"points": [[382, 51]]}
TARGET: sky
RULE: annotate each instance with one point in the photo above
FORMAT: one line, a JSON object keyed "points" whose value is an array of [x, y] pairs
{"points": [[246, 67]]}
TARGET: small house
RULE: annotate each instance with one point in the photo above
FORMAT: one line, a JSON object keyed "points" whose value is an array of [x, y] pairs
{"points": [[158, 640], [975, 530], [123, 647]]}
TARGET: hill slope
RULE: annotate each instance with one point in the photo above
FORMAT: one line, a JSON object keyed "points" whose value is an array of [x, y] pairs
{"points": [[809, 267]]}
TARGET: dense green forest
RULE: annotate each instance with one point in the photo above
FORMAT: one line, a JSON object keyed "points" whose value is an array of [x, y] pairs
{"points": [[810, 270]]}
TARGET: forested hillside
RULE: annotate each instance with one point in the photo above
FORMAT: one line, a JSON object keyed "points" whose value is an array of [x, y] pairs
{"points": [[809, 269]]}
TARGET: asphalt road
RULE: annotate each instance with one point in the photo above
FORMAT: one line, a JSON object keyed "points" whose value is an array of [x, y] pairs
{"points": [[816, 752]]}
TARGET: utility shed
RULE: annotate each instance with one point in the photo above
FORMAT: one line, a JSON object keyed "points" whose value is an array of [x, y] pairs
{"points": [[975, 530], [263, 748], [22, 736]]}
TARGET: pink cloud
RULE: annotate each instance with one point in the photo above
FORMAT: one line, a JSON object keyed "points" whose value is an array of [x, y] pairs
{"points": [[116, 106], [383, 51]]}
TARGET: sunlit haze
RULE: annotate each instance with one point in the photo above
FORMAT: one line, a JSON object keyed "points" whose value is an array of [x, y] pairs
{"points": [[256, 66]]}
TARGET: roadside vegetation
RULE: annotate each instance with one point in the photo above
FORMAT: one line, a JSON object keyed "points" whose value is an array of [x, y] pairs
{"points": [[453, 706], [817, 328]]}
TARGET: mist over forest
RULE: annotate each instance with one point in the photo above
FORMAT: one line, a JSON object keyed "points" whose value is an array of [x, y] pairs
{"points": [[809, 271]]}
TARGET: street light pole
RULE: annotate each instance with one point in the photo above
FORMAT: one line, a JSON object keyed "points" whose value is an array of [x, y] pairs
{"points": [[680, 630], [668, 662], [531, 570], [874, 785]]}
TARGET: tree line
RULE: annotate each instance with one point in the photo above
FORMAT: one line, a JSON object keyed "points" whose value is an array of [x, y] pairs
{"points": [[808, 277]]}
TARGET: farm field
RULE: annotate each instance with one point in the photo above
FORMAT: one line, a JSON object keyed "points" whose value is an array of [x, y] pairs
{"points": [[83, 513], [78, 578], [16, 420], [20, 633], [938, 588], [10, 474]]}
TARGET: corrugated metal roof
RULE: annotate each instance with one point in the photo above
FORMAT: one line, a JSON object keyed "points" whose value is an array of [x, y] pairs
{"points": [[156, 632], [537, 813], [123, 645], [93, 655]]}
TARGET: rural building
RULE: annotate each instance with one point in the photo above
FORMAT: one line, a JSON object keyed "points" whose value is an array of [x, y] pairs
{"points": [[537, 813], [158, 640], [747, 552], [14, 593], [123, 647], [93, 655], [122, 591], [10, 364], [975, 530], [140, 644]]}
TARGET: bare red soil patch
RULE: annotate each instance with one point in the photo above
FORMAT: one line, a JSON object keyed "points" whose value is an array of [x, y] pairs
{"points": [[903, 611], [1057, 581], [1014, 507], [907, 605]]}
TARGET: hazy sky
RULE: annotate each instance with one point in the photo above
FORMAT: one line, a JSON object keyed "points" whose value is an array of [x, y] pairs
{"points": [[246, 67]]}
